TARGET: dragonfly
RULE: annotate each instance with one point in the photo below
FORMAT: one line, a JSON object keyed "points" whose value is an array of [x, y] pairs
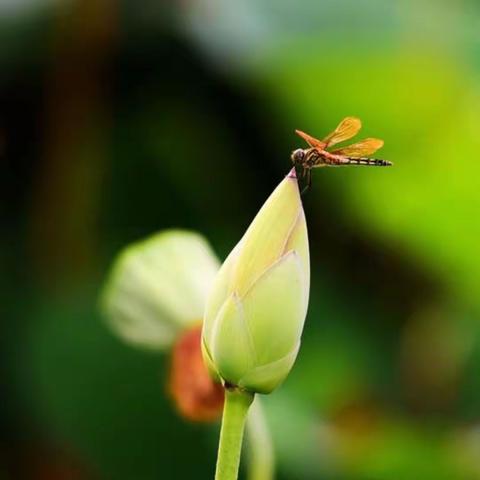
{"points": [[318, 156]]}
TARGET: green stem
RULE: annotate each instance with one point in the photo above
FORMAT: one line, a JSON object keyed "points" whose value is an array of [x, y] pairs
{"points": [[235, 412], [261, 457]]}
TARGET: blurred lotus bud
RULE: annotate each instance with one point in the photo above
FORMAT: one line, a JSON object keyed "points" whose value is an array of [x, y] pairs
{"points": [[158, 287], [155, 298], [196, 396], [256, 309]]}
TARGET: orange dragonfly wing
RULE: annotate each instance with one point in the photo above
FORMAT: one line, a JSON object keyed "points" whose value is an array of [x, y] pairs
{"points": [[360, 149], [312, 141], [346, 129]]}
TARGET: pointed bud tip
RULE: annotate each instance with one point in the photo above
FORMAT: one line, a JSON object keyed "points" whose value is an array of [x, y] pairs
{"points": [[292, 173]]}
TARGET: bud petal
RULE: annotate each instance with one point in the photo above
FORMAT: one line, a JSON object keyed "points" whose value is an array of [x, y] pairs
{"points": [[266, 378], [272, 306], [266, 238], [298, 242], [218, 294], [233, 352]]}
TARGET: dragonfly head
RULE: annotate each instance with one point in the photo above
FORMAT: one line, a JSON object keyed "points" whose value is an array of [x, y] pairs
{"points": [[298, 156]]}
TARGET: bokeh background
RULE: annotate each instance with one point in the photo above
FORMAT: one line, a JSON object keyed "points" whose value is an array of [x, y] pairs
{"points": [[120, 118]]}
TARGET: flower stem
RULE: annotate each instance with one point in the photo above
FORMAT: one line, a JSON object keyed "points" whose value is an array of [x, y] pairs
{"points": [[260, 453], [237, 403]]}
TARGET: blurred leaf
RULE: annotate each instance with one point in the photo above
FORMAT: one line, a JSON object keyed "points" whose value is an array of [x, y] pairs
{"points": [[107, 401], [427, 110]]}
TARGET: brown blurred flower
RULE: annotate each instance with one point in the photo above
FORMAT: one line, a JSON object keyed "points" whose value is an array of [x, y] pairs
{"points": [[195, 395]]}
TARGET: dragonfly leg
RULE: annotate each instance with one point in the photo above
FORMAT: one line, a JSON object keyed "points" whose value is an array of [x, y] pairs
{"points": [[308, 173]]}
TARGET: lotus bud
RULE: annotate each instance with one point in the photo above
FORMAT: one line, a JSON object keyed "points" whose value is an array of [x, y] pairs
{"points": [[257, 306]]}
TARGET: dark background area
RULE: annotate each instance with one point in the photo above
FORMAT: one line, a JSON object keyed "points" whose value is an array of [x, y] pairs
{"points": [[119, 119]]}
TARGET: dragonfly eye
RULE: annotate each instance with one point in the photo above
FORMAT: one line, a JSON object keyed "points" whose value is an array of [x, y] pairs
{"points": [[297, 155]]}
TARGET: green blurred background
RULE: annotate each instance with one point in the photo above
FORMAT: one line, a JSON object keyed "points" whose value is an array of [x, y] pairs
{"points": [[121, 118]]}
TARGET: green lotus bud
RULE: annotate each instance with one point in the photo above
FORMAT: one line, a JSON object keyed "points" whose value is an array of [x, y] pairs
{"points": [[256, 310], [158, 287]]}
